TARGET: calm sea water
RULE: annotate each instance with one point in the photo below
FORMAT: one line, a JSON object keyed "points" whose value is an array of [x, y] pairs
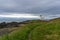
{"points": [[4, 19]]}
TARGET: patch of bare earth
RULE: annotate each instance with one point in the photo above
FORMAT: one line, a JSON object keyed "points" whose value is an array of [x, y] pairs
{"points": [[53, 37], [7, 30]]}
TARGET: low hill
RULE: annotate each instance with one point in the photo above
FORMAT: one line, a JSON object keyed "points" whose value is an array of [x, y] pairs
{"points": [[36, 30]]}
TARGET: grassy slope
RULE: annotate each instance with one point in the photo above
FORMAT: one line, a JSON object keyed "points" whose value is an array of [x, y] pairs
{"points": [[37, 30], [51, 31]]}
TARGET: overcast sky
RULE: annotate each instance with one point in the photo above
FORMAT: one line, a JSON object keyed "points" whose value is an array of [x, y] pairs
{"points": [[29, 8]]}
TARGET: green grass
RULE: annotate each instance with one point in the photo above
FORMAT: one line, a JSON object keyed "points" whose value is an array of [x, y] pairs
{"points": [[51, 31], [36, 30]]}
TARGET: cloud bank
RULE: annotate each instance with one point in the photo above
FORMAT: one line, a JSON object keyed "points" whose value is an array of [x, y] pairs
{"points": [[19, 16]]}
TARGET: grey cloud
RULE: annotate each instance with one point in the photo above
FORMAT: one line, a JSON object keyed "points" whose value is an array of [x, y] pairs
{"points": [[30, 6]]}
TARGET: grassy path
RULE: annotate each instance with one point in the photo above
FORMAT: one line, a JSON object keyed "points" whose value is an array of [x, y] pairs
{"points": [[29, 36]]}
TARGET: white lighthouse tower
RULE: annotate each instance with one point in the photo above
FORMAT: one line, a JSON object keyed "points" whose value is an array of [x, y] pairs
{"points": [[41, 17]]}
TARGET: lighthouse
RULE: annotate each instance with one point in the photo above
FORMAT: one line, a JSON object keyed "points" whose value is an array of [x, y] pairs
{"points": [[41, 17]]}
